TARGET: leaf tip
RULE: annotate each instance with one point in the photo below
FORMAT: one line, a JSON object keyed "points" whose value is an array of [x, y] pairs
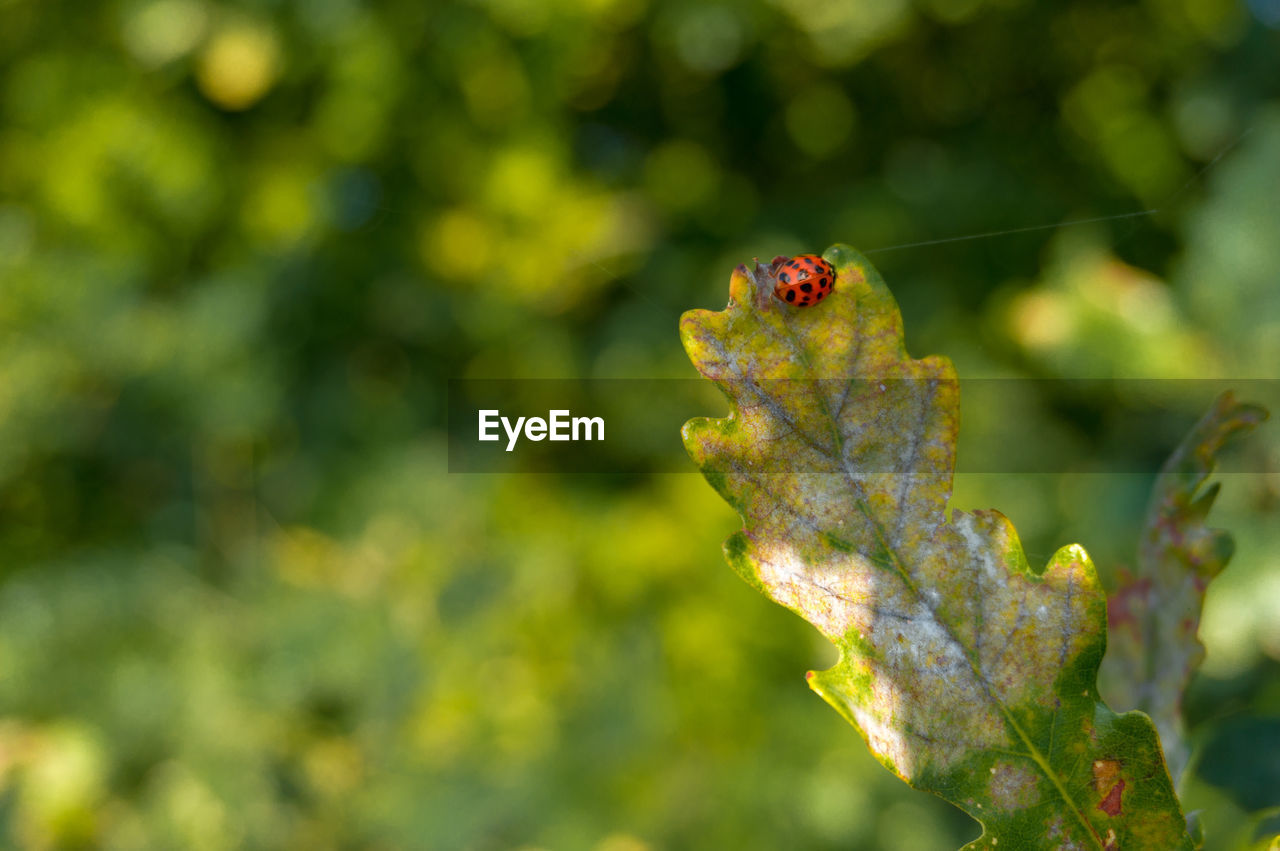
{"points": [[1074, 557], [845, 257], [741, 287]]}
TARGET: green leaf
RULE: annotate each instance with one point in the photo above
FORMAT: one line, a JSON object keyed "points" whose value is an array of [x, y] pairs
{"points": [[1155, 611], [968, 673]]}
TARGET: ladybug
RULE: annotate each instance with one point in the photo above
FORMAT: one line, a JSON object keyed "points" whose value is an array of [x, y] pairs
{"points": [[804, 280]]}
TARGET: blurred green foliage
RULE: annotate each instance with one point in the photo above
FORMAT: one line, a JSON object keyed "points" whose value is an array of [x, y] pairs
{"points": [[243, 245]]}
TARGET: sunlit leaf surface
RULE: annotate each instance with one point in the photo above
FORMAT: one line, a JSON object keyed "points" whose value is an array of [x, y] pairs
{"points": [[968, 673]]}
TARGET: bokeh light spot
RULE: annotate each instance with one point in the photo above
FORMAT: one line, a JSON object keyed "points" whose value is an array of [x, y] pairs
{"points": [[496, 90], [280, 209], [820, 120], [1204, 120], [62, 783], [165, 30], [522, 181], [239, 66], [457, 244], [1266, 11], [1218, 21], [709, 39], [119, 160], [1042, 320], [1107, 92], [842, 33], [680, 175], [1111, 109]]}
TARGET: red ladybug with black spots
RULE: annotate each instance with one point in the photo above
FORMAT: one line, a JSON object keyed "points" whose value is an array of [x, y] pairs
{"points": [[804, 280]]}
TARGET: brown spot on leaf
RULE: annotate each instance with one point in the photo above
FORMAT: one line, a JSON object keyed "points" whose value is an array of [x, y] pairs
{"points": [[1108, 783], [1111, 803]]}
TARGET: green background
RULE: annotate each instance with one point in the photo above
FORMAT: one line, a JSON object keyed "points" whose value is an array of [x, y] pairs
{"points": [[243, 247]]}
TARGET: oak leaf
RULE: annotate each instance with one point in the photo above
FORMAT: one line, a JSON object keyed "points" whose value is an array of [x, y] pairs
{"points": [[967, 672]]}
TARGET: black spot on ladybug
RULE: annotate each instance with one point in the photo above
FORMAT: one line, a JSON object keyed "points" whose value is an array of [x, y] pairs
{"points": [[807, 287], [823, 282], [804, 301], [791, 295], [785, 278]]}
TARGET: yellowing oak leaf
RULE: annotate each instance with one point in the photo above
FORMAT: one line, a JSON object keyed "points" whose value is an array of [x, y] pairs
{"points": [[968, 673]]}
